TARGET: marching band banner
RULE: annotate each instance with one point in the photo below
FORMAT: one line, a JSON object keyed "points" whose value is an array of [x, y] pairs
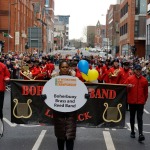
{"points": [[105, 106]]}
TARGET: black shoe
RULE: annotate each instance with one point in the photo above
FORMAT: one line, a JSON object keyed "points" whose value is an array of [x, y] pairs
{"points": [[141, 138], [132, 135]]}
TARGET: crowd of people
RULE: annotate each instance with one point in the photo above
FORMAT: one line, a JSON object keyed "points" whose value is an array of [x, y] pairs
{"points": [[31, 66], [134, 72]]}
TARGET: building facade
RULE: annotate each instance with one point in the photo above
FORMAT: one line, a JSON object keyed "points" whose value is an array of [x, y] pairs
{"points": [[17, 17], [91, 36], [59, 34], [112, 28], [65, 20], [148, 31], [132, 27]]}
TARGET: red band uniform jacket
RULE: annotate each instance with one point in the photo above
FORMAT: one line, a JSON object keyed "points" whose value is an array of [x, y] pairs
{"points": [[137, 94], [4, 73]]}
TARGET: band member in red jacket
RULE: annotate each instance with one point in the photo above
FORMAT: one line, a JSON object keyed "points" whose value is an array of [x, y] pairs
{"points": [[50, 68], [107, 64], [4, 77], [100, 70], [126, 71], [115, 72], [137, 97], [106, 72], [36, 70]]}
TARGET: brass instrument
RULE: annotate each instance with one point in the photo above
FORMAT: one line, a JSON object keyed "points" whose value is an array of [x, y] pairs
{"points": [[38, 75], [114, 74], [25, 72]]}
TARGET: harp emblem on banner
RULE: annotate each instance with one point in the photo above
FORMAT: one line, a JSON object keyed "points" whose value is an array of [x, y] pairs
{"points": [[112, 113], [22, 110]]}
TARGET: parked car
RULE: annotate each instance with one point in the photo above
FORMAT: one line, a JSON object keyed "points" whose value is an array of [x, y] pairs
{"points": [[104, 55]]}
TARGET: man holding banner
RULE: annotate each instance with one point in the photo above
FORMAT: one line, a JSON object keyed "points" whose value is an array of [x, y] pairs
{"points": [[137, 97]]}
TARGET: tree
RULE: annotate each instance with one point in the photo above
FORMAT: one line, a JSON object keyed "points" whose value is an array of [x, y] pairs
{"points": [[84, 38], [91, 39]]}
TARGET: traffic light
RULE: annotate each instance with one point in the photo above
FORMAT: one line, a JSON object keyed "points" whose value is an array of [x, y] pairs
{"points": [[2, 45], [26, 46], [133, 49]]}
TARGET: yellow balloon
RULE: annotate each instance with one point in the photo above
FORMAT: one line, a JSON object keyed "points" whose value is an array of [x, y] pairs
{"points": [[92, 75], [84, 76]]}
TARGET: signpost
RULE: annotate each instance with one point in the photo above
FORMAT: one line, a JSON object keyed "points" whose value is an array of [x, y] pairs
{"points": [[65, 93]]}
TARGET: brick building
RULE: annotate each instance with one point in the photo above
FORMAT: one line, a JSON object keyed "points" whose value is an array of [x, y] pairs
{"points": [[17, 16], [91, 36], [112, 28], [100, 33], [132, 27]]}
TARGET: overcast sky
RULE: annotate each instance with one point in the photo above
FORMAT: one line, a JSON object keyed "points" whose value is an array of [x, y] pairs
{"points": [[82, 13]]}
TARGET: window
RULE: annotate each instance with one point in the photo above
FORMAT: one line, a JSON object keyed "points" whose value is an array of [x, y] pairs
{"points": [[136, 33], [124, 10], [98, 31]]}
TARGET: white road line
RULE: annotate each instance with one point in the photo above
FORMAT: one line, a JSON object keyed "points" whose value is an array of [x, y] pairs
{"points": [[108, 140], [128, 128], [28, 125], [113, 129], [136, 126], [39, 140], [9, 123], [107, 129], [146, 111]]}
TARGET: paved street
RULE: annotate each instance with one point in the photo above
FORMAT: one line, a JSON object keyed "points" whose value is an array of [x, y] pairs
{"points": [[31, 137], [42, 137]]}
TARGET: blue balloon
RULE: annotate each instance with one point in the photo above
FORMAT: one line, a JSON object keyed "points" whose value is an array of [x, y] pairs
{"points": [[83, 66]]}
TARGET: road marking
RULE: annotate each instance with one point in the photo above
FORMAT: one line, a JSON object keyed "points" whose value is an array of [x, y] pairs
{"points": [[128, 128], [9, 123], [136, 126], [27, 125], [82, 128], [39, 140], [113, 129], [108, 140], [107, 129], [146, 111]]}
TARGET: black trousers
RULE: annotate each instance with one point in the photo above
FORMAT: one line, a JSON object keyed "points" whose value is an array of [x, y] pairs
{"points": [[1, 104], [139, 109], [61, 144]]}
